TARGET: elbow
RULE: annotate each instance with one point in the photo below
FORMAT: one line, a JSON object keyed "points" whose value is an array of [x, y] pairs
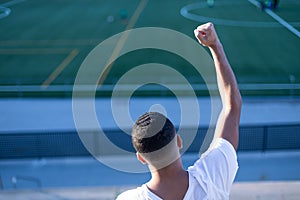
{"points": [[238, 101], [234, 103]]}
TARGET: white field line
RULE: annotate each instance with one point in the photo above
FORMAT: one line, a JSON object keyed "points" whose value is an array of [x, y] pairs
{"points": [[185, 12], [11, 3], [283, 22], [254, 2], [130, 87], [278, 19], [6, 11]]}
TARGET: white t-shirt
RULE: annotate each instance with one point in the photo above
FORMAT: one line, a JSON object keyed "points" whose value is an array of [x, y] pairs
{"points": [[211, 176]]}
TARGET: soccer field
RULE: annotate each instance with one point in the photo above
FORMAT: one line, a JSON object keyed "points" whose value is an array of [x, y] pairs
{"points": [[43, 43]]}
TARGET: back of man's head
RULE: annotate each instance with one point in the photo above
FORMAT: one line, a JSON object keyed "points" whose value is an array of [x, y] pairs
{"points": [[151, 132]]}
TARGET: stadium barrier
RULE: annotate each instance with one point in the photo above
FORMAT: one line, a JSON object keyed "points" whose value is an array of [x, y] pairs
{"points": [[68, 144], [19, 90]]}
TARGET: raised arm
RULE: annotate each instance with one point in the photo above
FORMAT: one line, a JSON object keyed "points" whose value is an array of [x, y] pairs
{"points": [[229, 119]]}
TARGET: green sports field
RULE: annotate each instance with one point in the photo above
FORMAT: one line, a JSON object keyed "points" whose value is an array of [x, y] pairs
{"points": [[43, 43]]}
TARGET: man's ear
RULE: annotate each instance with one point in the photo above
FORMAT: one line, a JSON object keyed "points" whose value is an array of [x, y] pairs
{"points": [[140, 158], [179, 141]]}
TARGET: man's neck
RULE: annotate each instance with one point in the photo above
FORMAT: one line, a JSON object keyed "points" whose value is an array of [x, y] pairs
{"points": [[171, 178], [168, 172]]}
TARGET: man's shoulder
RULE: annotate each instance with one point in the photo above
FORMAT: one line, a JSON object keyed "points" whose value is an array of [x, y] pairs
{"points": [[220, 155], [134, 194], [215, 171], [218, 146]]}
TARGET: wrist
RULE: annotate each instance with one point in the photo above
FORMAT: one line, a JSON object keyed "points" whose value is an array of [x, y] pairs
{"points": [[215, 46]]}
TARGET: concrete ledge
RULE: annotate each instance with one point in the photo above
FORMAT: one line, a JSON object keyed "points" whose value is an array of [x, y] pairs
{"points": [[266, 190]]}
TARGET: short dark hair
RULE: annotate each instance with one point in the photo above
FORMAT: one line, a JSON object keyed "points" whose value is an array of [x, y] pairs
{"points": [[151, 132]]}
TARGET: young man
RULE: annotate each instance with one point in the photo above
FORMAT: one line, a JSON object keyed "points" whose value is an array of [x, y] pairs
{"points": [[157, 144]]}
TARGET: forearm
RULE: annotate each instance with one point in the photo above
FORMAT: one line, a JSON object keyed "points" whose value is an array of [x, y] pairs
{"points": [[228, 88]]}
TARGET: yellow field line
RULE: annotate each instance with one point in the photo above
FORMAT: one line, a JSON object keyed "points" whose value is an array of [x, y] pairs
{"points": [[60, 68], [33, 51], [123, 39], [136, 14]]}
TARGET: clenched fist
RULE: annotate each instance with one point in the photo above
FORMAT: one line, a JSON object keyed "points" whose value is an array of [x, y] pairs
{"points": [[207, 35]]}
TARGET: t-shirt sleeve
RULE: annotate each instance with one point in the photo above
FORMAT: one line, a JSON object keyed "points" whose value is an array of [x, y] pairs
{"points": [[217, 167]]}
